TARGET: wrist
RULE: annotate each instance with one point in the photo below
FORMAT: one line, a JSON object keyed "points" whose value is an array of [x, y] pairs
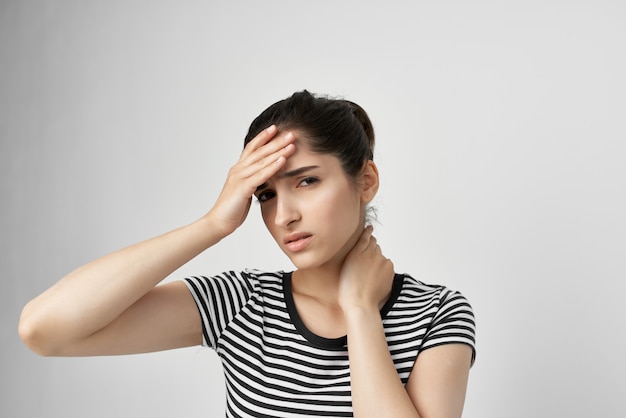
{"points": [[360, 303], [211, 229], [359, 311]]}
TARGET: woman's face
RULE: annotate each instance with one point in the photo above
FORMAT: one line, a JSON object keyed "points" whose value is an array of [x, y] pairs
{"points": [[312, 209]]}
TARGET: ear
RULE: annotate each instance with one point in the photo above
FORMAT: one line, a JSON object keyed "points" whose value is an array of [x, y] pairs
{"points": [[369, 182]]}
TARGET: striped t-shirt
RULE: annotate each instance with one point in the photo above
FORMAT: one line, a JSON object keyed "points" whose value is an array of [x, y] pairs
{"points": [[275, 367]]}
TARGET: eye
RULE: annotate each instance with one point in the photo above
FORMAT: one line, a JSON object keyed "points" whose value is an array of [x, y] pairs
{"points": [[265, 195], [308, 181]]}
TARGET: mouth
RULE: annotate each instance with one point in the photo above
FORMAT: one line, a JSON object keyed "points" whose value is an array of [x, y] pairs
{"points": [[297, 241]]}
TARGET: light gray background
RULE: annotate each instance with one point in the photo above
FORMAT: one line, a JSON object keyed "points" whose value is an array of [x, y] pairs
{"points": [[501, 145]]}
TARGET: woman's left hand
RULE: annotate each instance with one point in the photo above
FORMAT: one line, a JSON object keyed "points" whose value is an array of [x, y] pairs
{"points": [[366, 275]]}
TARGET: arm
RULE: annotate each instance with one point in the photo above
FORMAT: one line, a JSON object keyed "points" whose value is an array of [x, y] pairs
{"points": [[377, 391], [366, 281], [106, 306], [111, 305], [437, 384]]}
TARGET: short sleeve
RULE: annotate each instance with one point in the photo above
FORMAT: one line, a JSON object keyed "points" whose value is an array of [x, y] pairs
{"points": [[219, 299], [453, 323]]}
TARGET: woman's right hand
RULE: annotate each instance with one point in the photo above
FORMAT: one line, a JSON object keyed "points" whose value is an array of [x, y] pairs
{"points": [[260, 160]]}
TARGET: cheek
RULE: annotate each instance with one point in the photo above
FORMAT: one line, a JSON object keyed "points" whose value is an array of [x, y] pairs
{"points": [[267, 216], [340, 207]]}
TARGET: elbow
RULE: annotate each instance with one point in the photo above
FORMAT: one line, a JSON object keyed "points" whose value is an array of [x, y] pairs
{"points": [[33, 333], [29, 336]]}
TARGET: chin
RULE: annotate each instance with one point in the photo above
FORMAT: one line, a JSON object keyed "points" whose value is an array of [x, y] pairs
{"points": [[312, 261], [302, 264], [305, 261]]}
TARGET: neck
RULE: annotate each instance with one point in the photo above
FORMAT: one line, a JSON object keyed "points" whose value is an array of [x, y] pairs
{"points": [[321, 283]]}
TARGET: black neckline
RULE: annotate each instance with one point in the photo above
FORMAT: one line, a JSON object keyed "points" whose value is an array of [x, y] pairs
{"points": [[323, 342]]}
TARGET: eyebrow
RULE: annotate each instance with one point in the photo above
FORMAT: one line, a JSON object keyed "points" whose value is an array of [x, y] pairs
{"points": [[292, 173]]}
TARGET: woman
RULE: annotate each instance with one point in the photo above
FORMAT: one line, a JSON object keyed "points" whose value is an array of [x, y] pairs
{"points": [[342, 335]]}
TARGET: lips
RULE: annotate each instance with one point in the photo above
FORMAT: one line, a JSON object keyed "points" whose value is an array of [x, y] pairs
{"points": [[297, 241]]}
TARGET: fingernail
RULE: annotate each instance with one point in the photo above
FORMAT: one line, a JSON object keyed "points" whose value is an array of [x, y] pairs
{"points": [[271, 128]]}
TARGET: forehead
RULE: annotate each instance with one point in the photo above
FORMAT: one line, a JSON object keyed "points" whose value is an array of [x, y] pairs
{"points": [[304, 156]]}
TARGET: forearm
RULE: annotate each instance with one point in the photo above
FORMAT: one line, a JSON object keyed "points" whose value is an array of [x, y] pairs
{"points": [[91, 297], [377, 390]]}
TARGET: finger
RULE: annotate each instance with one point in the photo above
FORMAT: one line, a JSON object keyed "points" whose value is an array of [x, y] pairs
{"points": [[364, 240], [265, 172], [261, 171], [262, 138], [256, 170], [372, 245], [263, 157], [264, 145]]}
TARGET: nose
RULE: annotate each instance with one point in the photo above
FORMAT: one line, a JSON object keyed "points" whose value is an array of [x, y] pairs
{"points": [[286, 211]]}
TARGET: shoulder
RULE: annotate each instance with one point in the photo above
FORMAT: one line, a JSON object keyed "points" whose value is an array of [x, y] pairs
{"points": [[451, 317], [221, 298], [246, 281], [262, 277], [416, 290]]}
